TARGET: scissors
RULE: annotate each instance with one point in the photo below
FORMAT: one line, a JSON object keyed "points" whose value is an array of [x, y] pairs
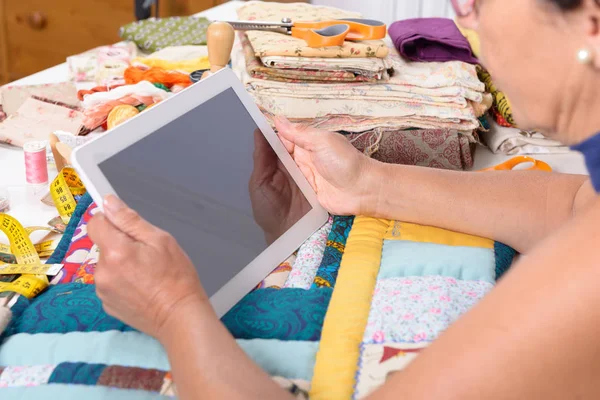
{"points": [[322, 33], [513, 162]]}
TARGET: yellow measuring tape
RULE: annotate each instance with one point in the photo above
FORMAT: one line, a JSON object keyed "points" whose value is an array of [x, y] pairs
{"points": [[25, 254], [64, 187], [31, 269]]}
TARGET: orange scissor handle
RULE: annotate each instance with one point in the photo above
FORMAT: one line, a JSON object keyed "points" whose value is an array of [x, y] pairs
{"points": [[335, 32], [513, 162]]}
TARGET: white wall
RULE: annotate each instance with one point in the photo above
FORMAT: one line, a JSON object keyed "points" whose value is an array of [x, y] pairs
{"points": [[389, 11]]}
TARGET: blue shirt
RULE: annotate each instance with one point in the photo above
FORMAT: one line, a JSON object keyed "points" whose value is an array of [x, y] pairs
{"points": [[590, 148]]}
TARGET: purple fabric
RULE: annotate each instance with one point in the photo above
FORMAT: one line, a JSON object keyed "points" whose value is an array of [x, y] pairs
{"points": [[431, 39]]}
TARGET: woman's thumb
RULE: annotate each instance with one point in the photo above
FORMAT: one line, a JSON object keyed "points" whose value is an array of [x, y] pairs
{"points": [[301, 136]]}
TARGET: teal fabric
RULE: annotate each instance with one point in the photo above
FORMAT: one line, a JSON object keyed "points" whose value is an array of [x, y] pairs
{"points": [[289, 359], [76, 373], [286, 314], [403, 258], [65, 241], [504, 258], [77, 392], [69, 307]]}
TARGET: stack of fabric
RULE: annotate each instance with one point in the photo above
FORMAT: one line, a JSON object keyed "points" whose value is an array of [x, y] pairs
{"points": [[504, 136], [364, 89]]}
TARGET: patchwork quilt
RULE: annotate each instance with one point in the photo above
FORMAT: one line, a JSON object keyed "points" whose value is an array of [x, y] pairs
{"points": [[356, 303]]}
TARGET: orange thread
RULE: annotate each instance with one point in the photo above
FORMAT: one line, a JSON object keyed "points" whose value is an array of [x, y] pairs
{"points": [[81, 94], [134, 75]]}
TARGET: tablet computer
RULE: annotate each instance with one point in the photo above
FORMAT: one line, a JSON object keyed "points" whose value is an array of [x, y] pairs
{"points": [[205, 166]]}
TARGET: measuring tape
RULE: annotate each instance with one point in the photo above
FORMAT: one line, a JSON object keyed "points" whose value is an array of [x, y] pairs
{"points": [[25, 253], [43, 249], [63, 190], [31, 269]]}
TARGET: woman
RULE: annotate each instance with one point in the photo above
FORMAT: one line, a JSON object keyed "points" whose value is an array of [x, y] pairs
{"points": [[536, 336]]}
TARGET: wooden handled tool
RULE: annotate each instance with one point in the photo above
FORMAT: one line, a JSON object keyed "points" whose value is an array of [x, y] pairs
{"points": [[58, 158], [219, 38]]}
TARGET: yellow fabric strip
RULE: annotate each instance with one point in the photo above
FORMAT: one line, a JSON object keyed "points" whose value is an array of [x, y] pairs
{"points": [[183, 66], [473, 39], [346, 319], [428, 234]]}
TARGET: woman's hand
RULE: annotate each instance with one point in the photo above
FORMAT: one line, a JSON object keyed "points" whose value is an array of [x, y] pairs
{"points": [[343, 178], [143, 277]]}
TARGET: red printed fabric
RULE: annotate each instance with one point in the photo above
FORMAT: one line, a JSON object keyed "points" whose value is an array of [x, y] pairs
{"points": [[78, 265], [439, 148]]}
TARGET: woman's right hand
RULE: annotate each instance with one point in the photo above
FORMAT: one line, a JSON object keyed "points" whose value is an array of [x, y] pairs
{"points": [[344, 179]]}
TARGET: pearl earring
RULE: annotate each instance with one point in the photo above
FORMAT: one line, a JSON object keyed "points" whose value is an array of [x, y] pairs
{"points": [[584, 56]]}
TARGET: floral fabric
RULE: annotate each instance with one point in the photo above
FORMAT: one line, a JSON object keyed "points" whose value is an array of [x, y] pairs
{"points": [[308, 260], [80, 260], [417, 309], [277, 278], [25, 376], [378, 362], [256, 69], [279, 44]]}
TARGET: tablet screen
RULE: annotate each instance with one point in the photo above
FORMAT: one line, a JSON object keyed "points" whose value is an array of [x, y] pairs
{"points": [[211, 179]]}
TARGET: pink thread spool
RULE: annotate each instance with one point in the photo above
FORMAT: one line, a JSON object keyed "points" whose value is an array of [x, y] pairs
{"points": [[36, 167]]}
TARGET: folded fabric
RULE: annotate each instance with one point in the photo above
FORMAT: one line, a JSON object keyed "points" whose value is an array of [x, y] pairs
{"points": [[35, 120], [188, 66], [278, 44], [369, 67], [256, 69], [180, 53], [84, 67], [440, 148], [154, 34], [513, 141], [13, 97], [431, 39], [357, 124]]}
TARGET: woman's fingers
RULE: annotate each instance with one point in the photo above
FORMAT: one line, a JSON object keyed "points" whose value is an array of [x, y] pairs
{"points": [[127, 220], [306, 138], [104, 233]]}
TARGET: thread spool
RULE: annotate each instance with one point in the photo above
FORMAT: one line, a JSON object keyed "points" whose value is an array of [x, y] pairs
{"points": [[219, 39], [36, 166]]}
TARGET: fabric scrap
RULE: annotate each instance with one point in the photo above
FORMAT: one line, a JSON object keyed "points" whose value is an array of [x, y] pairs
{"points": [[514, 141], [431, 39], [287, 314], [504, 258], [418, 309], [25, 375], [154, 34], [349, 311], [378, 362], [77, 373], [308, 259], [332, 256], [277, 278], [433, 148], [407, 259], [429, 234]]}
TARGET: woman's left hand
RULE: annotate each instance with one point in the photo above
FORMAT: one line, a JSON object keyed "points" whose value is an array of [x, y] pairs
{"points": [[143, 275]]}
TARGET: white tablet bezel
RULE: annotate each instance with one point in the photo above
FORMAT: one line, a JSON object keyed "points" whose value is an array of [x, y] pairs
{"points": [[87, 158]]}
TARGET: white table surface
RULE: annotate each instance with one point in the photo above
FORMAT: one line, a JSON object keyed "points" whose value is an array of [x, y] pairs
{"points": [[25, 204]]}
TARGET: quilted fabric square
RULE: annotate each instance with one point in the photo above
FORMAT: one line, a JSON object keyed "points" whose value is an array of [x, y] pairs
{"points": [[417, 309], [402, 258], [378, 362], [284, 314], [25, 376], [70, 307]]}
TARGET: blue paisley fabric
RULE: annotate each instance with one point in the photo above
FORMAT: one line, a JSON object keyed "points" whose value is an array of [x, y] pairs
{"points": [[70, 307], [290, 314], [63, 246], [504, 258], [332, 257], [76, 373]]}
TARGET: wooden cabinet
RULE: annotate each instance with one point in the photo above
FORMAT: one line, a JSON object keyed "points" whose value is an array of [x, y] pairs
{"points": [[38, 34]]}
